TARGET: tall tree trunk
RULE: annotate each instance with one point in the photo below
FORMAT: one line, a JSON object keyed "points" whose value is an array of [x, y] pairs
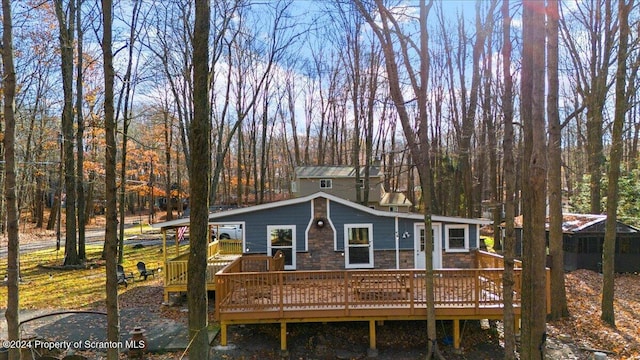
{"points": [[509, 189], [468, 122], [40, 200], [82, 221], [621, 107], [110, 237], [13, 245], [290, 89], [200, 177], [259, 191], [558, 293], [168, 144], [534, 188], [66, 50], [126, 94]]}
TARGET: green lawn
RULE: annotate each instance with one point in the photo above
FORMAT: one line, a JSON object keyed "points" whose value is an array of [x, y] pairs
{"points": [[43, 287]]}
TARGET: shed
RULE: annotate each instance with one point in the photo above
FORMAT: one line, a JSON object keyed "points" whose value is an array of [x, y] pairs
{"points": [[583, 237]]}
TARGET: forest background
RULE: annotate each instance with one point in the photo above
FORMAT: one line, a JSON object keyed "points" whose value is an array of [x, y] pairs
{"points": [[305, 83], [301, 83]]}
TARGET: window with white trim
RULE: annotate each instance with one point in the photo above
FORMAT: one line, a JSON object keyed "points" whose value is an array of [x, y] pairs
{"points": [[283, 238], [358, 245], [325, 184], [456, 238]]}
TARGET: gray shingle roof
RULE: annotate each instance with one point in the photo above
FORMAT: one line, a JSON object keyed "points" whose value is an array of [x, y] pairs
{"points": [[334, 171]]}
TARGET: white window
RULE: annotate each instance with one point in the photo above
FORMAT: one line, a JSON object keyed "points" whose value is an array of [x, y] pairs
{"points": [[393, 208], [325, 184], [294, 187], [361, 183], [456, 238], [358, 245], [283, 238]]}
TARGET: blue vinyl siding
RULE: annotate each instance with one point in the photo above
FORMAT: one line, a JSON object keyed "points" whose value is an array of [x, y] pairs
{"points": [[473, 236], [383, 227], [256, 225], [408, 226], [384, 230]]}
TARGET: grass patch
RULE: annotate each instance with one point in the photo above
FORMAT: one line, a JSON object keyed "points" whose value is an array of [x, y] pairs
{"points": [[43, 287], [138, 229]]}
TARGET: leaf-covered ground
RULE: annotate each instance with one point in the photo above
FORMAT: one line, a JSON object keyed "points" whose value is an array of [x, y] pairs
{"points": [[584, 325]]}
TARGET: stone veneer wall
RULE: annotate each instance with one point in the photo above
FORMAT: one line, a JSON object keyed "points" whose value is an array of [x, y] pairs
{"points": [[458, 260], [386, 259], [320, 255]]}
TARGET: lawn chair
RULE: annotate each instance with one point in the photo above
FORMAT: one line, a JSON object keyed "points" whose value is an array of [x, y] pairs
{"points": [[123, 278], [144, 272]]}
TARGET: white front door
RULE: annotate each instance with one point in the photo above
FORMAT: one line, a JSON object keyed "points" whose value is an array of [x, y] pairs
{"points": [[419, 245]]}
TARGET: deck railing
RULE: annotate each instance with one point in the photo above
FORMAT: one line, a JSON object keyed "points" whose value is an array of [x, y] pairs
{"points": [[278, 294], [486, 259], [256, 263], [230, 247], [176, 273]]}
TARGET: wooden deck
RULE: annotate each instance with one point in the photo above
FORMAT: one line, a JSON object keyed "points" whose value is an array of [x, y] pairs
{"points": [[246, 293], [219, 254]]}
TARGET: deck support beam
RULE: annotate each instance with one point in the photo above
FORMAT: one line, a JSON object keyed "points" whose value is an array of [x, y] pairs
{"points": [[372, 352], [372, 334], [223, 333], [456, 333], [283, 336]]}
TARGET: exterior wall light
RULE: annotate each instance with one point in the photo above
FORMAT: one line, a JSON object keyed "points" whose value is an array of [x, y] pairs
{"points": [[320, 223]]}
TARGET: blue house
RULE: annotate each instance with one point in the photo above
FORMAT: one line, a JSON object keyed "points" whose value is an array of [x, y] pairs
{"points": [[325, 232]]}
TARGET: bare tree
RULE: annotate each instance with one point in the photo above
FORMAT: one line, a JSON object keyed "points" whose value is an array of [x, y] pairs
{"points": [[167, 123], [534, 188], [200, 177], [110, 237], [386, 31], [468, 122], [559, 304], [509, 187], [13, 245], [126, 96], [66, 22], [621, 108], [80, 136], [592, 66]]}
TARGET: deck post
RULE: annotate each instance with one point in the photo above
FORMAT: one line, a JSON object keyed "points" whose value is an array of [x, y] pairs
{"points": [[165, 271], [372, 334], [223, 333], [456, 333], [283, 336], [372, 351]]}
